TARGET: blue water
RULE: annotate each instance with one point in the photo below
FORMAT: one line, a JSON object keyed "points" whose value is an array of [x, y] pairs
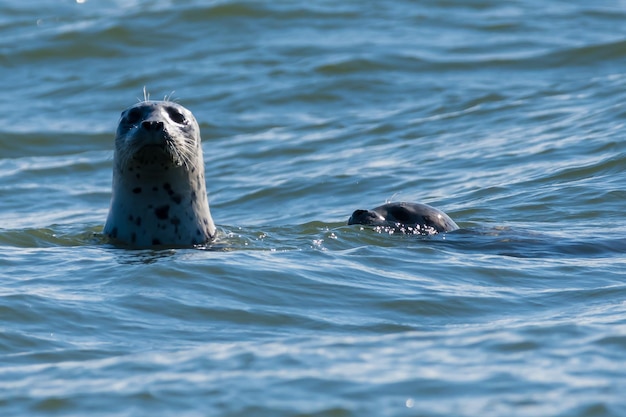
{"points": [[509, 116]]}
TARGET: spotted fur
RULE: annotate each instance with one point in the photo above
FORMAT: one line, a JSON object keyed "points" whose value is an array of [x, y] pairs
{"points": [[159, 193]]}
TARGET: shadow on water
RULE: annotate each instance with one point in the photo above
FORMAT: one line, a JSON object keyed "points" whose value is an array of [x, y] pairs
{"points": [[521, 243], [501, 241]]}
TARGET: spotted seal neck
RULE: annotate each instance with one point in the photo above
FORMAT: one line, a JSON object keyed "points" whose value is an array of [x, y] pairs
{"points": [[159, 192]]}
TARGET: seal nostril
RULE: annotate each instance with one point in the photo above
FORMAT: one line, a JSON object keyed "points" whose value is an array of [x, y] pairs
{"points": [[152, 125]]}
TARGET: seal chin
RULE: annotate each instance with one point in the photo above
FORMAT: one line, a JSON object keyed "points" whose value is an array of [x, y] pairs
{"points": [[157, 154]]}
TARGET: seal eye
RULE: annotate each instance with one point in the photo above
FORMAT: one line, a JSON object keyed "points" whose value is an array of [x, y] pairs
{"points": [[175, 115], [401, 214], [133, 115]]}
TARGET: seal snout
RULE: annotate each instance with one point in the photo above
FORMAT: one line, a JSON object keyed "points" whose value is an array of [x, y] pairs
{"points": [[153, 142], [364, 217], [153, 132]]}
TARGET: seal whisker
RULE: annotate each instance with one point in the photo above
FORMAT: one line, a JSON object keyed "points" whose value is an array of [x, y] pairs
{"points": [[168, 98], [188, 151], [181, 153], [392, 198]]}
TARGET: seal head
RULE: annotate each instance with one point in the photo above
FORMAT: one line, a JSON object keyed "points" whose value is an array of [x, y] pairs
{"points": [[412, 218], [159, 191]]}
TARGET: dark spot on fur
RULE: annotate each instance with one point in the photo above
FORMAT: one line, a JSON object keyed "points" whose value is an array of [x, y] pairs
{"points": [[162, 212], [130, 218], [114, 232], [138, 176], [155, 188], [137, 190], [156, 241], [175, 221], [193, 196], [198, 232], [177, 198], [138, 221], [133, 237]]}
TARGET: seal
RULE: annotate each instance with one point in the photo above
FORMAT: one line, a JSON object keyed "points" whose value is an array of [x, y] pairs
{"points": [[159, 191], [410, 218]]}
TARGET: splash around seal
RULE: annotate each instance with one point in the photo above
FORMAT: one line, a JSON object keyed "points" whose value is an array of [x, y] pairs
{"points": [[159, 192], [410, 218]]}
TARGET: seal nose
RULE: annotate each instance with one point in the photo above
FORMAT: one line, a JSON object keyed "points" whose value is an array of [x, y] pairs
{"points": [[358, 216], [152, 125]]}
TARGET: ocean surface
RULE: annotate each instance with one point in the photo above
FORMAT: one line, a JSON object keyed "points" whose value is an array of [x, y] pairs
{"points": [[509, 116]]}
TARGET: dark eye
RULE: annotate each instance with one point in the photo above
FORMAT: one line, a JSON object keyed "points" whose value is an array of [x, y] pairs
{"points": [[401, 214], [175, 115], [133, 115]]}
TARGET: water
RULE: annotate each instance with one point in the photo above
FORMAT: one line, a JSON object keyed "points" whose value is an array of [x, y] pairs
{"points": [[509, 116]]}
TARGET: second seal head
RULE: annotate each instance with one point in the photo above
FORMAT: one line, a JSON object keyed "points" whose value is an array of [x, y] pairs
{"points": [[414, 218]]}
